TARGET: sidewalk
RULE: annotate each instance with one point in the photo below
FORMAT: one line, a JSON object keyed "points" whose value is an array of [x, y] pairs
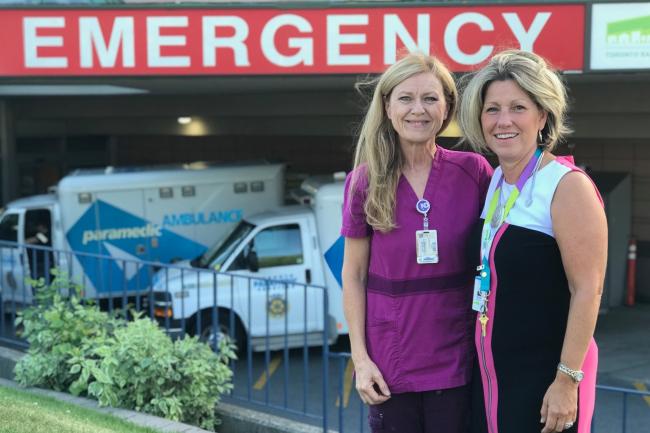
{"points": [[623, 337]]}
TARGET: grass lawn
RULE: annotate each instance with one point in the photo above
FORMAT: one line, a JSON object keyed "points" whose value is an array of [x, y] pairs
{"points": [[22, 412]]}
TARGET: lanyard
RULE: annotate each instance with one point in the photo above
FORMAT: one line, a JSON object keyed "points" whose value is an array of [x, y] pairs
{"points": [[494, 219]]}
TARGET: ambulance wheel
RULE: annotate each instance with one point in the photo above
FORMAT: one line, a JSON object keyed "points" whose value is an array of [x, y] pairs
{"points": [[236, 334]]}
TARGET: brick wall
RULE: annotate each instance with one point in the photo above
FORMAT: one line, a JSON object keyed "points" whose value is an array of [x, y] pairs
{"points": [[630, 156]]}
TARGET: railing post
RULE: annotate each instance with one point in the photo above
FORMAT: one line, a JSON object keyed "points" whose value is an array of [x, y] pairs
{"points": [[199, 325], [183, 289], [46, 271], [2, 313], [362, 408], [13, 295], [286, 346], [110, 289], [150, 294], [3, 291], [215, 314], [624, 412], [138, 293], [267, 350], [249, 344], [305, 354], [125, 289], [168, 298], [341, 392], [326, 351]]}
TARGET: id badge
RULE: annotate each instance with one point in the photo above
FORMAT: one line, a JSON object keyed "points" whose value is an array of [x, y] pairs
{"points": [[426, 246], [478, 301]]}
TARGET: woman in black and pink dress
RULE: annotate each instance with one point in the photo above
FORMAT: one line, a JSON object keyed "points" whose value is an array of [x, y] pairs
{"points": [[543, 252]]}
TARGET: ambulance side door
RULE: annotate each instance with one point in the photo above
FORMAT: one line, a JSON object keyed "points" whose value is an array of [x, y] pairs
{"points": [[278, 261], [13, 265]]}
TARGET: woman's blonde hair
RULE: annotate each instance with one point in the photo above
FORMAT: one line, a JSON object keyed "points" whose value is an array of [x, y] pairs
{"points": [[533, 75], [378, 144]]}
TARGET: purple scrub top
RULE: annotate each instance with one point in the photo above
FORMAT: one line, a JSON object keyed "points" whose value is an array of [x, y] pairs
{"points": [[419, 322]]}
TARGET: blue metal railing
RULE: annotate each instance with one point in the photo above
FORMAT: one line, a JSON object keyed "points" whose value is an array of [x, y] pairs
{"points": [[210, 304], [204, 302], [625, 394]]}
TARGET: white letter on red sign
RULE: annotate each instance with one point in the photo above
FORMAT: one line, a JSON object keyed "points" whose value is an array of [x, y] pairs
{"points": [[526, 38], [335, 39], [90, 36], [305, 54], [394, 28], [32, 42], [451, 38], [155, 40], [235, 42]]}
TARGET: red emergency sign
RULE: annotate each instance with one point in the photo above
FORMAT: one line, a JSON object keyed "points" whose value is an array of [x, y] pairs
{"points": [[144, 42]]}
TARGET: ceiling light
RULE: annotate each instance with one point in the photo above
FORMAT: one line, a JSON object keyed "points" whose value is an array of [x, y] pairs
{"points": [[184, 120]]}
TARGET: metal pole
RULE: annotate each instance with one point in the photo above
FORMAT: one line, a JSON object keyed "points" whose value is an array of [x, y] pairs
{"points": [[305, 356], [624, 412], [341, 392], [325, 358]]}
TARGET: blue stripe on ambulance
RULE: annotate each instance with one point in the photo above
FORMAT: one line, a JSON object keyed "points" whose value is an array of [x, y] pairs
{"points": [[334, 259], [123, 231]]}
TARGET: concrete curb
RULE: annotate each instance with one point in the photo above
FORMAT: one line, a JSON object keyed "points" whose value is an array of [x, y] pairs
{"points": [[234, 419], [8, 360]]}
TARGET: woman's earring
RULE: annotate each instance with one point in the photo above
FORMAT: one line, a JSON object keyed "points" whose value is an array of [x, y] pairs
{"points": [[539, 136]]}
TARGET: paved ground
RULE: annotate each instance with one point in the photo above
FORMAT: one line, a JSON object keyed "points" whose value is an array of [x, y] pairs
{"points": [[623, 337]]}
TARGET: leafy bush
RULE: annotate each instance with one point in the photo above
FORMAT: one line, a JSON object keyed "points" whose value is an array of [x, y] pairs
{"points": [[58, 326], [132, 364]]}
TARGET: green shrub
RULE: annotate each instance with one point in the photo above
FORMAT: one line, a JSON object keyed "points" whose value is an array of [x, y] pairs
{"points": [[59, 327], [132, 364]]}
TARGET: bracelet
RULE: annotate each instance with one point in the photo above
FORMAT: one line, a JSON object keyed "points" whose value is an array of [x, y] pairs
{"points": [[575, 375]]}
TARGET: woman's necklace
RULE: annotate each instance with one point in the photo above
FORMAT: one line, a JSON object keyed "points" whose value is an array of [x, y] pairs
{"points": [[497, 216], [498, 212]]}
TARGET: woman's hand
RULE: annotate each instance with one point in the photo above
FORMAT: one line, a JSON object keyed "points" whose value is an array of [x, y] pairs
{"points": [[370, 383], [560, 404]]}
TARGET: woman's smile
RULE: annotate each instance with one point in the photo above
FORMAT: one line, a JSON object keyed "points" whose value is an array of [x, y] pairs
{"points": [[417, 108], [510, 120]]}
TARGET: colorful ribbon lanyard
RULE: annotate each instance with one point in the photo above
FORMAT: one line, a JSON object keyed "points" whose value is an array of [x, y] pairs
{"points": [[490, 229]]}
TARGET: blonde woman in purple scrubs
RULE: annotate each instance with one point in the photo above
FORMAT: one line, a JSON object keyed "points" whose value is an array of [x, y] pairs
{"points": [[407, 285]]}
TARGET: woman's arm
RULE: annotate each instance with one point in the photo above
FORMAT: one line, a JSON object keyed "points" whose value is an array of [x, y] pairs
{"points": [[355, 274], [580, 229]]}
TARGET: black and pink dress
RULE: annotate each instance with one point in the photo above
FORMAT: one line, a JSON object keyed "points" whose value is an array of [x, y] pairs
{"points": [[528, 312]]}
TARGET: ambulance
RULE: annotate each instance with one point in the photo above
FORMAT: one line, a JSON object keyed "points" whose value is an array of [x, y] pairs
{"points": [[274, 281], [104, 223]]}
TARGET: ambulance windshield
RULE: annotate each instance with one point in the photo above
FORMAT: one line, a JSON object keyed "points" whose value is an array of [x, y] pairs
{"points": [[218, 254]]}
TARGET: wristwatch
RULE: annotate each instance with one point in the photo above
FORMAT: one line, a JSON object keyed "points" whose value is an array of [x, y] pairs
{"points": [[575, 375]]}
